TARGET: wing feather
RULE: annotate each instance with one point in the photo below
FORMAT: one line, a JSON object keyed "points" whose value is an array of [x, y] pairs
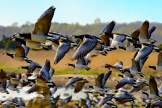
{"points": [[159, 63], [61, 51], [144, 30], [43, 24], [87, 46], [19, 51], [79, 86], [153, 85]]}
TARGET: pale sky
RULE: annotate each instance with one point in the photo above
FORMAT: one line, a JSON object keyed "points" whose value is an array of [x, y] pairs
{"points": [[82, 11]]}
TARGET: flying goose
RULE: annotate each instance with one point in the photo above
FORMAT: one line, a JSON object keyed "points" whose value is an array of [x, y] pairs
{"points": [[41, 29], [21, 52], [13, 82], [46, 72], [87, 46], [136, 66], [104, 35], [116, 67], [123, 82], [145, 34], [133, 43], [3, 81], [33, 67], [156, 104], [138, 86], [63, 48], [154, 93], [99, 49], [105, 99], [31, 44], [80, 64], [124, 98], [158, 67], [118, 39], [100, 81], [145, 50], [79, 85]]}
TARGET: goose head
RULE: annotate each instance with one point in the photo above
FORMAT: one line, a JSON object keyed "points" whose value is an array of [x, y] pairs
{"points": [[87, 68]]}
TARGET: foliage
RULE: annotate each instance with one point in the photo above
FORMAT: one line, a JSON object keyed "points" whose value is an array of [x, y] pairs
{"points": [[76, 29]]}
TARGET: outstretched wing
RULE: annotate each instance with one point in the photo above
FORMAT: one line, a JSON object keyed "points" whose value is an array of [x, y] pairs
{"points": [[79, 86], [159, 59], [107, 30], [26, 49], [61, 51], [43, 24], [87, 46], [19, 51], [153, 85], [144, 30]]}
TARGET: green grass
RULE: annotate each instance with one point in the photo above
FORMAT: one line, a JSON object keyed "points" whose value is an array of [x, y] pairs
{"points": [[11, 69], [15, 69]]}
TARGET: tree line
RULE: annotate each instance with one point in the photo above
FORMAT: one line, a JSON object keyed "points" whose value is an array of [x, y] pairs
{"points": [[76, 29]]}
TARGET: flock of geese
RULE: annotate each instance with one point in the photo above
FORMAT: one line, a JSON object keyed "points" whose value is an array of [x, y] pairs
{"points": [[39, 77]]}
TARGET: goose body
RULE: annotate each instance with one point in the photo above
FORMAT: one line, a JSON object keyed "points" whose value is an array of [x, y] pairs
{"points": [[158, 67], [145, 50], [116, 67], [80, 64], [87, 46], [41, 29], [21, 52]]}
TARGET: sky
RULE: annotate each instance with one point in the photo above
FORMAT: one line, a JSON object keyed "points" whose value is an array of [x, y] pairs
{"points": [[81, 11]]}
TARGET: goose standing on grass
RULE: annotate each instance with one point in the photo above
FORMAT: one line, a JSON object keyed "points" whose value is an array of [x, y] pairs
{"points": [[87, 46], [21, 52], [158, 67], [80, 64]]}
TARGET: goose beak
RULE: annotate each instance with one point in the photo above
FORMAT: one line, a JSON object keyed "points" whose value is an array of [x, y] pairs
{"points": [[72, 37], [103, 66], [63, 38], [99, 41], [3, 53], [12, 37]]}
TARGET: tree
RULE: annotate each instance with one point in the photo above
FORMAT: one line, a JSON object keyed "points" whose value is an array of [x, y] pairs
{"points": [[97, 21], [15, 24]]}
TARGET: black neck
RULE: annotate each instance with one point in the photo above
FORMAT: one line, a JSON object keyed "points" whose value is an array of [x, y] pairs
{"points": [[21, 41], [24, 67], [109, 34], [153, 67], [71, 65], [11, 55], [26, 35]]}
